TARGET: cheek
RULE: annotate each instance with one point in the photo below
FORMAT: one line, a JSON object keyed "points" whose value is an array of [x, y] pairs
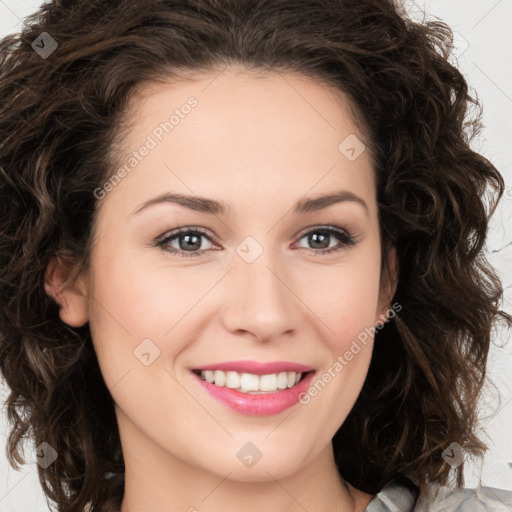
{"points": [[346, 299], [127, 308], [137, 300]]}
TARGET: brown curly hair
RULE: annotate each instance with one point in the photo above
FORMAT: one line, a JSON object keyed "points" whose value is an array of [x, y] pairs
{"points": [[60, 118]]}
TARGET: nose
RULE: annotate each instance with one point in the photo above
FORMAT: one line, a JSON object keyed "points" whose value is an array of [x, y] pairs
{"points": [[260, 299]]}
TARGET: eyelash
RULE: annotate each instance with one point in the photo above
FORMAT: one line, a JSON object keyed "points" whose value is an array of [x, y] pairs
{"points": [[346, 240]]}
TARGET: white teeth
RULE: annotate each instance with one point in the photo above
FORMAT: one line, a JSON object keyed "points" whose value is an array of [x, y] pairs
{"points": [[268, 382], [251, 383], [209, 376], [220, 378], [232, 380], [282, 380]]}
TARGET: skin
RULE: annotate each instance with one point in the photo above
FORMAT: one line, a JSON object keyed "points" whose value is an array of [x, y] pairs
{"points": [[259, 143]]}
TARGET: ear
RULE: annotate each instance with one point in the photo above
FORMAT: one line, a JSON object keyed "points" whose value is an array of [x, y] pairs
{"points": [[71, 298], [388, 283]]}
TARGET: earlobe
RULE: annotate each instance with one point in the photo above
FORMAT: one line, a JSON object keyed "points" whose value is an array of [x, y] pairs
{"points": [[71, 299]]}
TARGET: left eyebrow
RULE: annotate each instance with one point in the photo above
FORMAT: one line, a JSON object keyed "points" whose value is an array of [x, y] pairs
{"points": [[214, 207], [196, 203]]}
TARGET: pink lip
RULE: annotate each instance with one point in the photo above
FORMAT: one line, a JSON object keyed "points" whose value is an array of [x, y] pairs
{"points": [[256, 368], [257, 404]]}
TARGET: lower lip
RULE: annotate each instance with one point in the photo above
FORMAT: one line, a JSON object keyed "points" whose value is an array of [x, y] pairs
{"points": [[257, 404]]}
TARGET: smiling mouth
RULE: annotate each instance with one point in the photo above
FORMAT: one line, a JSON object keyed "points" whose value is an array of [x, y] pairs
{"points": [[251, 383]]}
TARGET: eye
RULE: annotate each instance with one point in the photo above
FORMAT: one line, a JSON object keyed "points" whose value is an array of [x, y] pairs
{"points": [[189, 240], [321, 237]]}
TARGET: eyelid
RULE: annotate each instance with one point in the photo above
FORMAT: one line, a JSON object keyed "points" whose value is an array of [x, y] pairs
{"points": [[319, 227], [350, 241], [186, 229]]}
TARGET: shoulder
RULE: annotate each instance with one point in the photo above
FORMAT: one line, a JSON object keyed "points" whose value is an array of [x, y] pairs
{"points": [[398, 497], [438, 498]]}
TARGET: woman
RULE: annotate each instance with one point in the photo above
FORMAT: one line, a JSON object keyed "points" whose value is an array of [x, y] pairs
{"points": [[324, 346]]}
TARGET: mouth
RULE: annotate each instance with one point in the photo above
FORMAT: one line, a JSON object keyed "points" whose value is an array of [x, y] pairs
{"points": [[252, 383], [253, 388]]}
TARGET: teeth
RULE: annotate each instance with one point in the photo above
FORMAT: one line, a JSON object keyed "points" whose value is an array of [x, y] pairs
{"points": [[232, 380], [250, 383], [282, 380], [220, 378], [209, 376], [268, 382]]}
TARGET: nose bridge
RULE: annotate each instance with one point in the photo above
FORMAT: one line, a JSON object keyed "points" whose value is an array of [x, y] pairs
{"points": [[261, 300]]}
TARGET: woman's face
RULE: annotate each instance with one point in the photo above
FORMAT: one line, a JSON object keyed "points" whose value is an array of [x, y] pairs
{"points": [[265, 281]]}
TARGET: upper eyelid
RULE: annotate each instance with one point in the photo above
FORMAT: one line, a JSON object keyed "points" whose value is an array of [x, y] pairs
{"points": [[314, 227], [187, 229]]}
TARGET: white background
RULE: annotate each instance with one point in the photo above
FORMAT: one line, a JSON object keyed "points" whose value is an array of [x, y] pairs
{"points": [[484, 55]]}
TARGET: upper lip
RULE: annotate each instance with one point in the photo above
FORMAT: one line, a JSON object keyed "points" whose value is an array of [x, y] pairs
{"points": [[255, 367]]}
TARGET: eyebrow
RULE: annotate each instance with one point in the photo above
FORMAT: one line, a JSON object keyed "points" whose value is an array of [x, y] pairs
{"points": [[213, 207]]}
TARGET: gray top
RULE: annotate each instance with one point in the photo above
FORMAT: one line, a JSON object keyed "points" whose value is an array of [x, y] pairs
{"points": [[397, 497]]}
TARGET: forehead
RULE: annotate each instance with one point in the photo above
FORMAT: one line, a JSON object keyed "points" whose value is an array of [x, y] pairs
{"points": [[261, 132], [237, 95]]}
